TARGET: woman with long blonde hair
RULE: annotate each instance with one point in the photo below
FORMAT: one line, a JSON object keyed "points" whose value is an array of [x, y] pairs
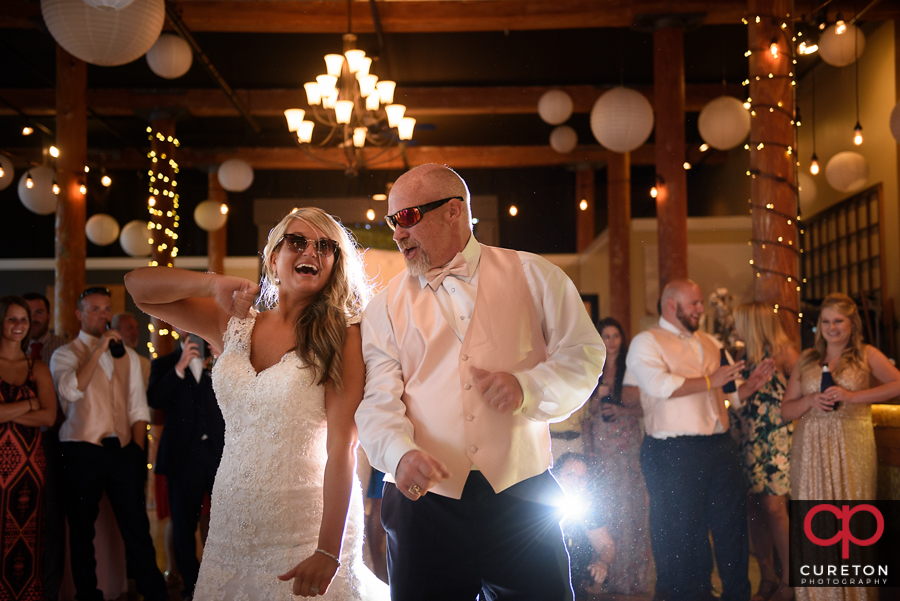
{"points": [[288, 383], [833, 455], [766, 441]]}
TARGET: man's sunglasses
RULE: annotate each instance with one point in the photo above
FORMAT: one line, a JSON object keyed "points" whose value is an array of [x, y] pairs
{"points": [[413, 215], [297, 243]]}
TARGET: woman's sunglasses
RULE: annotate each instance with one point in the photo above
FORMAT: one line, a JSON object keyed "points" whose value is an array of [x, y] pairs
{"points": [[413, 215], [297, 243]]}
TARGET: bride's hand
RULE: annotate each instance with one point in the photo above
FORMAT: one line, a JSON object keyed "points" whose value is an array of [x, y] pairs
{"points": [[235, 295], [312, 576]]}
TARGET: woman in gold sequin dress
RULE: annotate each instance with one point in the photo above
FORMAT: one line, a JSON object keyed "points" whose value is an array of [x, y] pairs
{"points": [[833, 454]]}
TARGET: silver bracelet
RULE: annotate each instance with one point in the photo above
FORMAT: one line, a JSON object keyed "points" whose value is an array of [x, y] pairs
{"points": [[327, 554]]}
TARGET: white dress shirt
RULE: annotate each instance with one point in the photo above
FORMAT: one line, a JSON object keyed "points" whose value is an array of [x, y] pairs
{"points": [[64, 364]]}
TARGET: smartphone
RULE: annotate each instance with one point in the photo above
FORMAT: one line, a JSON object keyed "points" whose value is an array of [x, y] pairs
{"points": [[201, 345]]}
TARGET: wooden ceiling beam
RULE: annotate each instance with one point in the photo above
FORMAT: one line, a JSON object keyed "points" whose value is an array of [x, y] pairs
{"points": [[318, 16], [421, 102]]}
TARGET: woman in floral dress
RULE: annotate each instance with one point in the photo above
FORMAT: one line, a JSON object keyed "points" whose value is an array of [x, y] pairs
{"points": [[766, 442]]}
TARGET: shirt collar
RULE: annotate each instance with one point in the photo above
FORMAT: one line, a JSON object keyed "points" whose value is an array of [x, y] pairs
{"points": [[90, 341], [471, 253], [670, 327]]}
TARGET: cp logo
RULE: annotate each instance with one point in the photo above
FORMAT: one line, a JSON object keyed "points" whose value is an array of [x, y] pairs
{"points": [[844, 536]]}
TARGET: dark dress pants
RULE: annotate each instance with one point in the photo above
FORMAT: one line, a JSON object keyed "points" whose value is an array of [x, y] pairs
{"points": [[54, 516], [696, 486], [187, 487], [90, 470], [505, 545]]}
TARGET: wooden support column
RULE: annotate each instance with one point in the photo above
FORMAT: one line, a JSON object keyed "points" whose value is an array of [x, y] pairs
{"points": [[71, 139], [772, 167], [162, 254], [618, 186], [216, 241], [671, 202], [584, 191]]}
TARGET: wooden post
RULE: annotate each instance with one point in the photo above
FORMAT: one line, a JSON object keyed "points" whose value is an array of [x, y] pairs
{"points": [[618, 186], [71, 139], [772, 163], [671, 202], [216, 242], [584, 192], [162, 157]]}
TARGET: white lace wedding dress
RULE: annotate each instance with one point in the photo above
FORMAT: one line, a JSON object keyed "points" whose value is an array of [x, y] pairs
{"points": [[267, 500]]}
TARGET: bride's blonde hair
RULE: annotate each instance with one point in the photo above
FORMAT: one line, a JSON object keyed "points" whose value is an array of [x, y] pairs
{"points": [[321, 328]]}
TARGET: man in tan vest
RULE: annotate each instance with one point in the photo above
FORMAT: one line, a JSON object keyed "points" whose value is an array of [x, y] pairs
{"points": [[688, 459], [469, 354], [101, 446]]}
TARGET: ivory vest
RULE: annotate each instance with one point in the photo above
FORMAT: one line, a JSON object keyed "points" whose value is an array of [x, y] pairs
{"points": [[451, 420], [103, 410], [693, 413]]}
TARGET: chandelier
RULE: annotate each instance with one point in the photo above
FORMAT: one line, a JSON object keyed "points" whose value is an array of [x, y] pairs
{"points": [[355, 109]]}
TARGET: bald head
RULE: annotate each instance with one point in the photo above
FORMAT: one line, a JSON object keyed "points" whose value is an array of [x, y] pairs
{"points": [[682, 304], [427, 183]]}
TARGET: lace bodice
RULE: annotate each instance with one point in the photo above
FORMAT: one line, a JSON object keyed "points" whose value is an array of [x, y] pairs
{"points": [[267, 499]]}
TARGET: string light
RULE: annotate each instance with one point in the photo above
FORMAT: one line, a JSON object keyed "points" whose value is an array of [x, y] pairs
{"points": [[106, 181], [83, 189], [513, 210], [814, 165], [857, 134], [54, 152], [583, 205], [27, 131], [654, 192]]}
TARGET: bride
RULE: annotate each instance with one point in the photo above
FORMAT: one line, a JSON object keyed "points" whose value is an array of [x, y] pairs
{"points": [[288, 383]]}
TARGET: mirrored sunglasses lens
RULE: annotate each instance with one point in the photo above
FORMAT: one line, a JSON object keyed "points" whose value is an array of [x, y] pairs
{"points": [[408, 217]]}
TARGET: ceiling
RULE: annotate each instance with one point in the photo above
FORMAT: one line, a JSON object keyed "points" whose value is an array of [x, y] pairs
{"points": [[469, 71]]}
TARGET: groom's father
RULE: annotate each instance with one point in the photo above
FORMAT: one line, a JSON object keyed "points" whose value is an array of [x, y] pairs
{"points": [[469, 354]]}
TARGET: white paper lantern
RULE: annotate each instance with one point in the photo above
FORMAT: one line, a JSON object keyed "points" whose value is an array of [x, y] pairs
{"points": [[808, 189], [135, 238], [555, 107], [209, 216], [102, 229], [724, 122], [109, 4], [895, 124], [39, 198], [622, 119], [8, 172], [170, 57], [837, 49], [847, 171], [104, 37], [235, 175], [563, 139]]}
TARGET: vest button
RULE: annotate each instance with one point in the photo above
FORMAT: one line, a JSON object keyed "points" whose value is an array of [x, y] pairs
{"points": [[470, 417], [473, 449], [467, 386], [464, 357]]}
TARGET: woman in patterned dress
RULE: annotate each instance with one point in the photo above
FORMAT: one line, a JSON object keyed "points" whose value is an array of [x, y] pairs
{"points": [[613, 438], [766, 441], [833, 455], [27, 401]]}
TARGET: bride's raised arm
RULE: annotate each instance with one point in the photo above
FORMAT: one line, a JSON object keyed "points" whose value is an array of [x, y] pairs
{"points": [[318, 570], [201, 303]]}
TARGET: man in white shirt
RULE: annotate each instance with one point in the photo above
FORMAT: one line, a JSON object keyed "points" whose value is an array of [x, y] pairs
{"points": [[689, 461], [101, 446], [469, 354]]}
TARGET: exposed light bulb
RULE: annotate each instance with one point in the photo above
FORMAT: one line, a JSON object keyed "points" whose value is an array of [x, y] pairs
{"points": [[29, 183], [370, 215], [773, 48], [747, 104], [151, 201], [704, 147], [379, 197], [87, 169], [814, 165], [686, 166], [106, 181], [513, 210], [27, 131], [223, 209], [654, 192], [55, 188], [54, 151], [583, 205], [840, 26], [83, 189], [857, 134]]}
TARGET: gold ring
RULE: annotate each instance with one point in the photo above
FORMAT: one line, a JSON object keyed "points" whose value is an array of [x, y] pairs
{"points": [[415, 490]]}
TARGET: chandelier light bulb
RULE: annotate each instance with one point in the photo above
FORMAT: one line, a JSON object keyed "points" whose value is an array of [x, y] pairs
{"points": [[385, 89], [54, 152], [29, 183], [333, 64], [406, 127], [395, 113], [304, 134], [327, 84], [354, 58], [27, 131], [370, 215], [294, 118], [313, 95], [814, 165], [343, 109], [513, 210], [329, 100], [359, 136], [857, 134], [367, 85], [364, 65], [106, 181], [372, 102]]}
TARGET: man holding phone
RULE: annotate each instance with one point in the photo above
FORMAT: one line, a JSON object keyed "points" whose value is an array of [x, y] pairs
{"points": [[191, 445]]}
